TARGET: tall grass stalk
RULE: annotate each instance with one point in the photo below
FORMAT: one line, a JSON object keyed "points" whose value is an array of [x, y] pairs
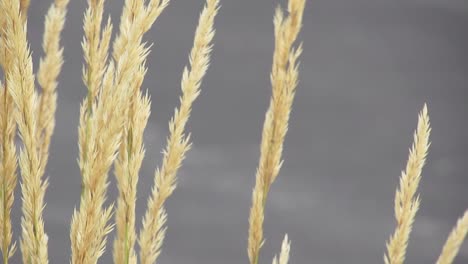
{"points": [[284, 80], [136, 20], [406, 199], [8, 163], [50, 67], [8, 126], [35, 116], [178, 143], [20, 82]]}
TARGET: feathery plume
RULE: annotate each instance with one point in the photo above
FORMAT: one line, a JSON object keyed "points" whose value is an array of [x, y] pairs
{"points": [[20, 80], [130, 54], [127, 168], [95, 46], [8, 163], [284, 254], [49, 70], [406, 200], [102, 118], [90, 226], [152, 233], [284, 80], [8, 176], [135, 21], [454, 241]]}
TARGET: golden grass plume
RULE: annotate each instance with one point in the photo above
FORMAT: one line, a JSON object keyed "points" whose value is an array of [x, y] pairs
{"points": [[406, 199], [284, 80], [20, 81], [136, 19], [454, 241], [178, 143]]}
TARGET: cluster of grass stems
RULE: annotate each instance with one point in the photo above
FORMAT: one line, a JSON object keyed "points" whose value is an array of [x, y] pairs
{"points": [[113, 117]]}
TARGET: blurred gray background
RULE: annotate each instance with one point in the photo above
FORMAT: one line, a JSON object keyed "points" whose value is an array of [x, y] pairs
{"points": [[368, 66]]}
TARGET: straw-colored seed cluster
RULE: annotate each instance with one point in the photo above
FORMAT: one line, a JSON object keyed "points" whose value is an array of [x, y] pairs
{"points": [[113, 117]]}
